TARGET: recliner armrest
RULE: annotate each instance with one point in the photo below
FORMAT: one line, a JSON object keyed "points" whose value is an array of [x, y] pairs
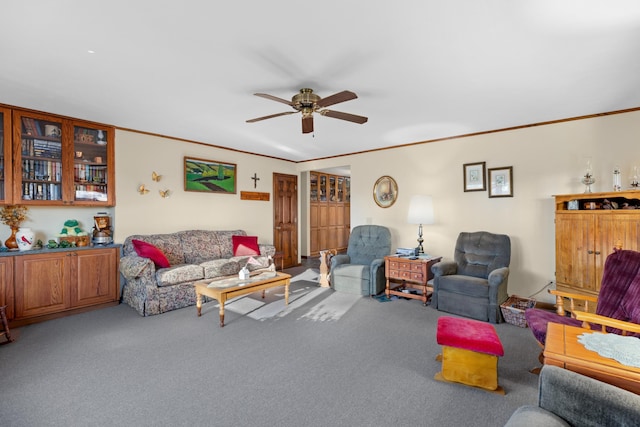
{"points": [[336, 260], [444, 268], [377, 263], [498, 276]]}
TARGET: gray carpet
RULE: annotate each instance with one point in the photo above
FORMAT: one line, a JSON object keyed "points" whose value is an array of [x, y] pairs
{"points": [[373, 365]]}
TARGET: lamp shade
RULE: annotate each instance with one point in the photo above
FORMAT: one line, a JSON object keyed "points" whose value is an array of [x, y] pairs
{"points": [[420, 210]]}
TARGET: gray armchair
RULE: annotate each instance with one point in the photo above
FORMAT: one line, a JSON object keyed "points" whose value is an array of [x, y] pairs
{"points": [[474, 284], [361, 269]]}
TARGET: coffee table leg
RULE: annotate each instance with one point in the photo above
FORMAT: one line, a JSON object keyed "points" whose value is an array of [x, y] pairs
{"points": [[286, 292], [221, 314], [199, 304]]}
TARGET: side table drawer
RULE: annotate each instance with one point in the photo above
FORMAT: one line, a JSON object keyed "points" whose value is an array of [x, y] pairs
{"points": [[406, 275], [399, 274], [416, 276]]}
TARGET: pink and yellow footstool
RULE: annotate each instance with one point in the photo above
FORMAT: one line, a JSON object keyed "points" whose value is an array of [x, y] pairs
{"points": [[470, 351]]}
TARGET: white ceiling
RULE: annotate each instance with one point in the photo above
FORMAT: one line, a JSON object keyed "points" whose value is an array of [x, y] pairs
{"points": [[422, 69]]}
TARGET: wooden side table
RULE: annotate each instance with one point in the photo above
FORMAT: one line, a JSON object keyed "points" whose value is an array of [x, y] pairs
{"points": [[563, 349], [409, 273]]}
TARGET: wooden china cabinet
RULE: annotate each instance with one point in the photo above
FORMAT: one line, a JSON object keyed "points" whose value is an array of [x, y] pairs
{"points": [[588, 227], [50, 160], [61, 161], [330, 212], [5, 155]]}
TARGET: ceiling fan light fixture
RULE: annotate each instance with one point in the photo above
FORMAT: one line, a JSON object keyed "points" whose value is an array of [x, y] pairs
{"points": [[306, 102]]}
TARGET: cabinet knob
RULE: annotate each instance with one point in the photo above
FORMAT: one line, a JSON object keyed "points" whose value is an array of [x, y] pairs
{"points": [[590, 252], [597, 252]]}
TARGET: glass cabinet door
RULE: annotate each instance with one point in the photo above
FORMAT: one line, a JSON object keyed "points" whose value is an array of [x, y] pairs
{"points": [[5, 155], [340, 189], [347, 190], [332, 188], [90, 159], [323, 188], [40, 166], [313, 184]]}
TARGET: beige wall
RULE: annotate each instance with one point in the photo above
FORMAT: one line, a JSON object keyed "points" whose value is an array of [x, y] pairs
{"points": [[547, 160], [138, 155]]}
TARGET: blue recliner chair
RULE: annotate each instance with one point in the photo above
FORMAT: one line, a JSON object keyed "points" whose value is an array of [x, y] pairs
{"points": [[474, 284], [361, 269]]}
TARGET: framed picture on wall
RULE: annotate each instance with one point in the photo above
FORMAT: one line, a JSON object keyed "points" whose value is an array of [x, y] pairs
{"points": [[385, 191], [501, 182], [474, 174], [209, 176]]}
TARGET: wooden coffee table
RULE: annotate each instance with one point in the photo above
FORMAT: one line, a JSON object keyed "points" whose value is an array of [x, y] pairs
{"points": [[563, 349], [227, 288]]}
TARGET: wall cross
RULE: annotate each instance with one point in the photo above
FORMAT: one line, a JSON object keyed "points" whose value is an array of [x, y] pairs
{"points": [[255, 180]]}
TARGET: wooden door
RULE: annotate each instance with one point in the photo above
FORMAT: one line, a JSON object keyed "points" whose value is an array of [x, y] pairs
{"points": [[6, 285], [41, 284], [575, 241], [614, 228], [94, 277], [285, 217]]}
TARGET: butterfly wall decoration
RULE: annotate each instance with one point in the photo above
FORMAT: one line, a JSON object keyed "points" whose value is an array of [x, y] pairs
{"points": [[142, 190]]}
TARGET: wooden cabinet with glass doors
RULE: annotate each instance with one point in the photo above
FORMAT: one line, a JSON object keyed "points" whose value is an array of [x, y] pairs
{"points": [[330, 207], [5, 155], [61, 161]]}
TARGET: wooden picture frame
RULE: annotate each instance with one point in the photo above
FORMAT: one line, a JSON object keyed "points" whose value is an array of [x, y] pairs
{"points": [[209, 176], [385, 191], [474, 176], [501, 182]]}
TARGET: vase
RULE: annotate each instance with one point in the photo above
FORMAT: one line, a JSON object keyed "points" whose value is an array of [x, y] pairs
{"points": [[11, 242], [25, 238]]}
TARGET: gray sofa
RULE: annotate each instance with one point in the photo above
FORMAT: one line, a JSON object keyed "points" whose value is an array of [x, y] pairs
{"points": [[193, 255], [566, 398]]}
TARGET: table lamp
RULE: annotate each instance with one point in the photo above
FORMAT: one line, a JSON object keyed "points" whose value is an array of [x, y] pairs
{"points": [[420, 212]]}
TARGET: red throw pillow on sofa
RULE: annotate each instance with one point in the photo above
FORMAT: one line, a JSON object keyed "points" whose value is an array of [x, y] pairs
{"points": [[147, 250], [245, 245]]}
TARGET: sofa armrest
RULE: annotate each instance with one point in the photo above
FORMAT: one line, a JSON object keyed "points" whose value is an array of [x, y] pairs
{"points": [[444, 268], [267, 250], [134, 266], [582, 401]]}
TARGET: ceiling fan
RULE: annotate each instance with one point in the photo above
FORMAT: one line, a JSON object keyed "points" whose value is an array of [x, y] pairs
{"points": [[307, 103]]}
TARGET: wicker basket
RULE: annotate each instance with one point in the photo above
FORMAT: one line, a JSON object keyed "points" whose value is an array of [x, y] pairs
{"points": [[513, 310]]}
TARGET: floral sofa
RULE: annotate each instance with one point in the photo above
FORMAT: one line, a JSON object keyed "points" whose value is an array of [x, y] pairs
{"points": [[193, 255]]}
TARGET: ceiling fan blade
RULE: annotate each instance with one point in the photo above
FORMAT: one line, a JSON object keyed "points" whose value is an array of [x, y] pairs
{"points": [[271, 116], [307, 124], [343, 96], [273, 98], [344, 116]]}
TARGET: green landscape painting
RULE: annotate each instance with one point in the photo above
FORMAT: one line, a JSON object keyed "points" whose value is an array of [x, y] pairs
{"points": [[209, 176]]}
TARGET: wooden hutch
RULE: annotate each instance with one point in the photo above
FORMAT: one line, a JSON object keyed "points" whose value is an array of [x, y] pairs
{"points": [[330, 212], [588, 227], [49, 160]]}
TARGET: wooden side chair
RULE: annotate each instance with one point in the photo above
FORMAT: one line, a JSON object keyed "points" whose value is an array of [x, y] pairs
{"points": [[617, 305], [5, 325]]}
